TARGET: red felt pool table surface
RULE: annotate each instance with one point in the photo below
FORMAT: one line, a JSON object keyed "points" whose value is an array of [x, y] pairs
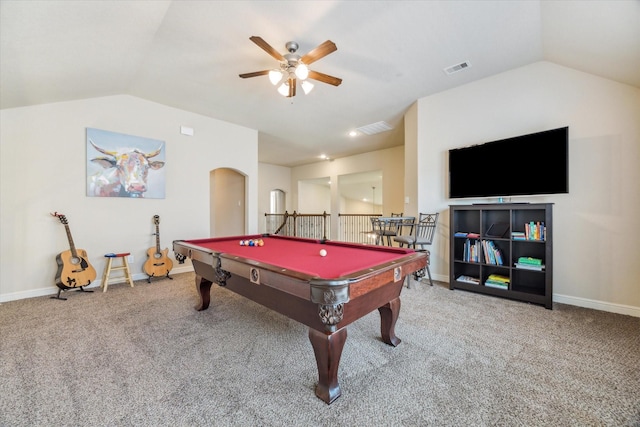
{"points": [[288, 275], [303, 255]]}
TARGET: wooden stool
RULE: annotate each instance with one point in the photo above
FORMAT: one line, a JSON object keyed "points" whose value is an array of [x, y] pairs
{"points": [[107, 270]]}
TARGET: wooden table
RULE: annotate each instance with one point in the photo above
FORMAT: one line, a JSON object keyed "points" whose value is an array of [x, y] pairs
{"points": [[326, 293]]}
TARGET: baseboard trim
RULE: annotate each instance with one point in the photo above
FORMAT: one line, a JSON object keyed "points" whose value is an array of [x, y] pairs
{"points": [[580, 302], [562, 299], [52, 290], [597, 305]]}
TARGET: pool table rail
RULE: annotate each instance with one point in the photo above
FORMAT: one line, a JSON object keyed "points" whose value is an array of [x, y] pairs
{"points": [[326, 305]]}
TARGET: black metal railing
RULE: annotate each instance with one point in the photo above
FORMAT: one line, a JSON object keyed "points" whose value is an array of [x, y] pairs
{"points": [[313, 226], [354, 228]]}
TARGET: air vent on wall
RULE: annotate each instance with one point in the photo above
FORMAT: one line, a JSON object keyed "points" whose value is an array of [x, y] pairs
{"points": [[458, 67], [374, 128]]}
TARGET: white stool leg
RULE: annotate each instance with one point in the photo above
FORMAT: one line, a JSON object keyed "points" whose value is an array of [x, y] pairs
{"points": [[127, 273], [105, 276]]}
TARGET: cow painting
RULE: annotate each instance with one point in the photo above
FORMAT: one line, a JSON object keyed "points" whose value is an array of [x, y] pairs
{"points": [[123, 172]]}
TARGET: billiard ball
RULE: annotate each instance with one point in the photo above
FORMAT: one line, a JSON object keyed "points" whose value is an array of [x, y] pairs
{"points": [[323, 252]]}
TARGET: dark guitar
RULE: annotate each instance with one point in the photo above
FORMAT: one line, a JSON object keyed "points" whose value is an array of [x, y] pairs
{"points": [[74, 269], [158, 263]]}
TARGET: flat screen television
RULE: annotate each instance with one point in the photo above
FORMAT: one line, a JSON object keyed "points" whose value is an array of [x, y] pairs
{"points": [[532, 164]]}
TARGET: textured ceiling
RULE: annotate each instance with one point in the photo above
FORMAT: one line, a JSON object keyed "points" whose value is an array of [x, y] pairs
{"points": [[188, 54]]}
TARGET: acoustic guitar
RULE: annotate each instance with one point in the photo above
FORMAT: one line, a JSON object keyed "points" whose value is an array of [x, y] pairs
{"points": [[158, 263], [74, 269]]}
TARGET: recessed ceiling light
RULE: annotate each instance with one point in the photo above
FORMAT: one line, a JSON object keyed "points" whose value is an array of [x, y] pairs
{"points": [[353, 133]]}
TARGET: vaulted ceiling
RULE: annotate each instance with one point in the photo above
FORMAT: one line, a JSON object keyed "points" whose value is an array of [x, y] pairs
{"points": [[188, 55]]}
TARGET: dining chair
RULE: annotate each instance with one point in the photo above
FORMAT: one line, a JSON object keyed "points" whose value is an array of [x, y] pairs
{"points": [[384, 230], [376, 227], [405, 227], [420, 239]]}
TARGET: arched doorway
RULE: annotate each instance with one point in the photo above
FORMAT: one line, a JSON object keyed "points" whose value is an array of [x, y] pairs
{"points": [[277, 201], [227, 195]]}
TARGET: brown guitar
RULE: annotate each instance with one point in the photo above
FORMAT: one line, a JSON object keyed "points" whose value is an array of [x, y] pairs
{"points": [[158, 263], [74, 269]]}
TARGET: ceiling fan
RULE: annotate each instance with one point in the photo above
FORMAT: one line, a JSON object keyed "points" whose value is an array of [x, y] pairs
{"points": [[294, 67]]}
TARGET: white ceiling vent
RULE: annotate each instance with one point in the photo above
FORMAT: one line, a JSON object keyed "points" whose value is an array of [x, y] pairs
{"points": [[374, 128], [458, 67]]}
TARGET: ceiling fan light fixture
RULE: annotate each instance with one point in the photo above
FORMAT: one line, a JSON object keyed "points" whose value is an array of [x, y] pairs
{"points": [[284, 89], [275, 76], [307, 86], [293, 67], [302, 71]]}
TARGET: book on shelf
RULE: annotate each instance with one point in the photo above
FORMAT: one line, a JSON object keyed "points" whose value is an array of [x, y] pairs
{"points": [[529, 266], [492, 254], [496, 285], [485, 251], [529, 260], [497, 281], [460, 234], [471, 251], [468, 279], [518, 235], [498, 278], [473, 235], [535, 231]]}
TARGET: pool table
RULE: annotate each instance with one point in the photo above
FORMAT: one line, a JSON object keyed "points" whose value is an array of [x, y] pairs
{"points": [[326, 293]]}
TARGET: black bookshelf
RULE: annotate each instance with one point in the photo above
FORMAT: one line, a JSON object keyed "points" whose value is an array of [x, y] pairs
{"points": [[511, 242]]}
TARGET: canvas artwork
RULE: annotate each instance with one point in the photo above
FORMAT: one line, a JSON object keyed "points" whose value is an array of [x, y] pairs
{"points": [[120, 165]]}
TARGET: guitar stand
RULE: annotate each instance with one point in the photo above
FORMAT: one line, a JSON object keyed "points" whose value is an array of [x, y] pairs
{"points": [[80, 289], [149, 277]]}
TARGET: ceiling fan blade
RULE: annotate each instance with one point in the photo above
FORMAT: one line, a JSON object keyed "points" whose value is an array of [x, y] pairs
{"points": [[255, 74], [267, 47], [292, 88], [324, 78], [319, 52]]}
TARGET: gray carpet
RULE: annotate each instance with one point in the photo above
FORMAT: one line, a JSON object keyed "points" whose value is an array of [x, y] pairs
{"points": [[144, 357]]}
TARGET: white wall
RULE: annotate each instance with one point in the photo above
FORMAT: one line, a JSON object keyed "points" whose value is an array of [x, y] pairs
{"points": [[43, 169], [313, 198], [351, 206], [42, 159], [390, 161], [272, 177], [595, 245], [228, 203]]}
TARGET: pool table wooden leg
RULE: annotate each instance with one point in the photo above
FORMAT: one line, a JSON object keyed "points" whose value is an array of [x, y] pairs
{"points": [[328, 350], [203, 286], [388, 317]]}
